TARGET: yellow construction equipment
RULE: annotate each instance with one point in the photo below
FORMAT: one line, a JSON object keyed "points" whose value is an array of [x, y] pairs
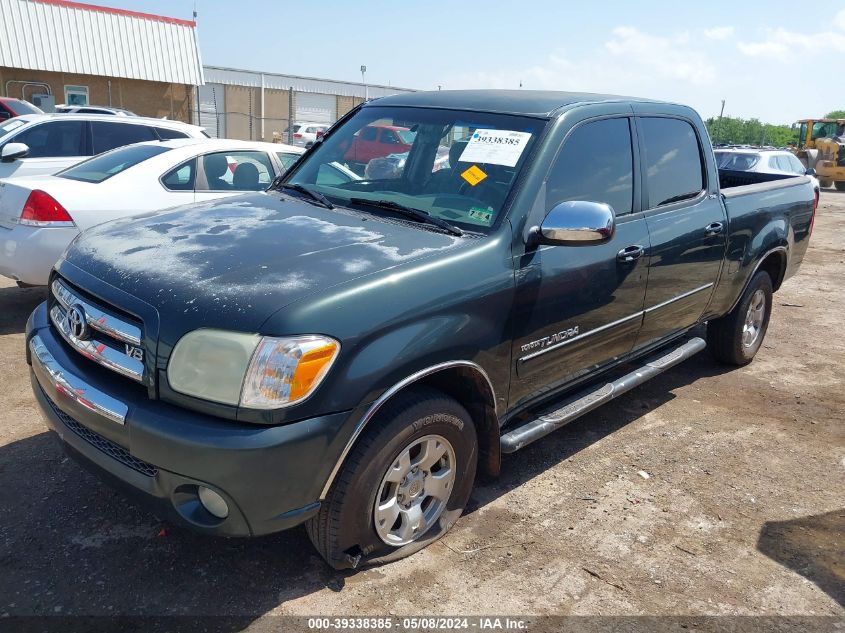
{"points": [[821, 145]]}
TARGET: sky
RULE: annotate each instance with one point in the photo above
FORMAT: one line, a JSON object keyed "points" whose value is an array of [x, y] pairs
{"points": [[771, 60]]}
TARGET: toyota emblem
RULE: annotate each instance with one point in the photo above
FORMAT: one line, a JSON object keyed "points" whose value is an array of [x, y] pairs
{"points": [[77, 324]]}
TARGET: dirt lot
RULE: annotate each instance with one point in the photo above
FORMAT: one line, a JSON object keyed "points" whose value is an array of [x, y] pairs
{"points": [[743, 512]]}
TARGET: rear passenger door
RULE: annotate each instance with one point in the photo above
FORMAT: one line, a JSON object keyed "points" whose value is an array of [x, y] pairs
{"points": [[686, 223]]}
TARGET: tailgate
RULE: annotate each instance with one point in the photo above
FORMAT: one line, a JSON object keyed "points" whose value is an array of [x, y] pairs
{"points": [[12, 199]]}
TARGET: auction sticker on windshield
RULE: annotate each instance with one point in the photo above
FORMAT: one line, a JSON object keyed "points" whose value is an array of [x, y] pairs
{"points": [[495, 147], [473, 175]]}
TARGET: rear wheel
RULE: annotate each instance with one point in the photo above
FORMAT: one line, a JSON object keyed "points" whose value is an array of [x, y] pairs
{"points": [[736, 337], [840, 185], [404, 484]]}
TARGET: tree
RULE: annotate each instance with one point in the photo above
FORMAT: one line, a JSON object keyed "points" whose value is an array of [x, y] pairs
{"points": [[736, 131], [836, 114]]}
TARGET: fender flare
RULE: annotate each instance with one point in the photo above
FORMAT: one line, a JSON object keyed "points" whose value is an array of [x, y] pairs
{"points": [[387, 395]]}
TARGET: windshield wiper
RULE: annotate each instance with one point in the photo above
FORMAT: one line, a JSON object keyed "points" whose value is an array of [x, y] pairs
{"points": [[409, 212], [316, 196]]}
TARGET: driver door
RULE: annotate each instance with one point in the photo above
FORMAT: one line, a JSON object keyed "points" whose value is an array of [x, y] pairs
{"points": [[580, 307]]}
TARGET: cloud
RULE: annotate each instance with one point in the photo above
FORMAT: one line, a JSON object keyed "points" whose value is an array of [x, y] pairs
{"points": [[719, 33], [670, 57], [786, 45]]}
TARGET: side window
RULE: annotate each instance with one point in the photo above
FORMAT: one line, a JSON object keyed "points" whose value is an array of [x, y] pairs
{"points": [[797, 165], [775, 163], [166, 133], [286, 159], [237, 171], [595, 164], [388, 137], [181, 178], [673, 166], [55, 138], [369, 133], [107, 135]]}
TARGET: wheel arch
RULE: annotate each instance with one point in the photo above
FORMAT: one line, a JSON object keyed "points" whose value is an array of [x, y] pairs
{"points": [[462, 380], [774, 263]]}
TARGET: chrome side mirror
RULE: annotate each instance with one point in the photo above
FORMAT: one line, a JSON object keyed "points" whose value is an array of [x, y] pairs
{"points": [[11, 151], [574, 223], [809, 171]]}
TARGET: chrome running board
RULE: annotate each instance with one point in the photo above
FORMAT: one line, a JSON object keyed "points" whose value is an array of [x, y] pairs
{"points": [[574, 407]]}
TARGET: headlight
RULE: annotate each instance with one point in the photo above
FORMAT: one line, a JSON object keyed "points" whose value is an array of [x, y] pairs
{"points": [[250, 370]]}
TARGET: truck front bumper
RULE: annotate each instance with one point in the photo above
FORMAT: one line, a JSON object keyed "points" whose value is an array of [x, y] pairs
{"points": [[270, 477]]}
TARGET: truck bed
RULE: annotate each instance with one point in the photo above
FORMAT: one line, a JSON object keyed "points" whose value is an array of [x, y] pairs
{"points": [[730, 180]]}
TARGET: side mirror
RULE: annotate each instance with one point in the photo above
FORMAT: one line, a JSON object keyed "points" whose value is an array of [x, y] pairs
{"points": [[11, 151], [810, 172], [576, 223], [4, 115]]}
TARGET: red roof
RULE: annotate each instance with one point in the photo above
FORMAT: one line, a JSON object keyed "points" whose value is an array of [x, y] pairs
{"points": [[132, 14]]}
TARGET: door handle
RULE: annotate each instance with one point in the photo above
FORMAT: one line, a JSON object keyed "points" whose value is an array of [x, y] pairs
{"points": [[630, 254], [714, 228]]}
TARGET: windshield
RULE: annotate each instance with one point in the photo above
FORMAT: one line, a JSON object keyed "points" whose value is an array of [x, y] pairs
{"points": [[110, 164], [456, 166], [737, 161]]}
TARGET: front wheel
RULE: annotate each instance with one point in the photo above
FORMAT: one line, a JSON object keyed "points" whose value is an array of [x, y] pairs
{"points": [[825, 182], [736, 337], [404, 484]]}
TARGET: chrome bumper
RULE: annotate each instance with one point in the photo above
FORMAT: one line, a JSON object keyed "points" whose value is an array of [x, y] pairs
{"points": [[49, 372]]}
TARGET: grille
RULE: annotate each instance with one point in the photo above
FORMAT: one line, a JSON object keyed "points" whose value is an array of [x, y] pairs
{"points": [[102, 444], [99, 334]]}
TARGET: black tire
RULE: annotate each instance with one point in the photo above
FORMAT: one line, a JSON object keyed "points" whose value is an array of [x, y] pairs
{"points": [[344, 531], [825, 182], [725, 335], [840, 185]]}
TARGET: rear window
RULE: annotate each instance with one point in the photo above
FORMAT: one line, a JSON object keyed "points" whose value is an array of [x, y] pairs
{"points": [[674, 169], [736, 161], [103, 167], [167, 133]]}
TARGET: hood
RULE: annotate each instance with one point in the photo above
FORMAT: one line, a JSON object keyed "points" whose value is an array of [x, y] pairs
{"points": [[233, 262]]}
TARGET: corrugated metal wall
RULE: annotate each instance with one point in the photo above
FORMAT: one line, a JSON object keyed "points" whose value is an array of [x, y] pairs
{"points": [[55, 36], [251, 105]]}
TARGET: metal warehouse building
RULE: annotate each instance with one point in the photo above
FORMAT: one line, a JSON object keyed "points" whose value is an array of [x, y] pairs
{"points": [[55, 51], [253, 105]]}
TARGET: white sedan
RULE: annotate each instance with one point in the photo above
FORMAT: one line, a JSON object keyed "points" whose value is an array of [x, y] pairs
{"points": [[41, 215]]}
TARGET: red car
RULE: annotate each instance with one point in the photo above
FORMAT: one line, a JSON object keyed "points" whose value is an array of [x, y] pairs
{"points": [[376, 141], [10, 107]]}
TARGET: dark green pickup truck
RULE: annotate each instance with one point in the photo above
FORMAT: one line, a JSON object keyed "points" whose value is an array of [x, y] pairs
{"points": [[348, 352]]}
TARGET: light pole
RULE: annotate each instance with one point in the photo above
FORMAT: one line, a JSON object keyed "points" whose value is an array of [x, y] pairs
{"points": [[364, 81]]}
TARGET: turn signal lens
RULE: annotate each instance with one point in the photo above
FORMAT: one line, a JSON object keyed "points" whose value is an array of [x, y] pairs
{"points": [[286, 370], [42, 209]]}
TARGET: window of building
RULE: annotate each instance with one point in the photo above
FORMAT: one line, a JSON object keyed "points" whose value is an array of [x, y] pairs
{"points": [[76, 95]]}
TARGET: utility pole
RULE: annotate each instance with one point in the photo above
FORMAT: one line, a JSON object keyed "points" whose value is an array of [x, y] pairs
{"points": [[364, 81], [719, 128]]}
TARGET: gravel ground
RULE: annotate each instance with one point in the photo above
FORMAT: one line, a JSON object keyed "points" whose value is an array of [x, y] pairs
{"points": [[743, 511]]}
